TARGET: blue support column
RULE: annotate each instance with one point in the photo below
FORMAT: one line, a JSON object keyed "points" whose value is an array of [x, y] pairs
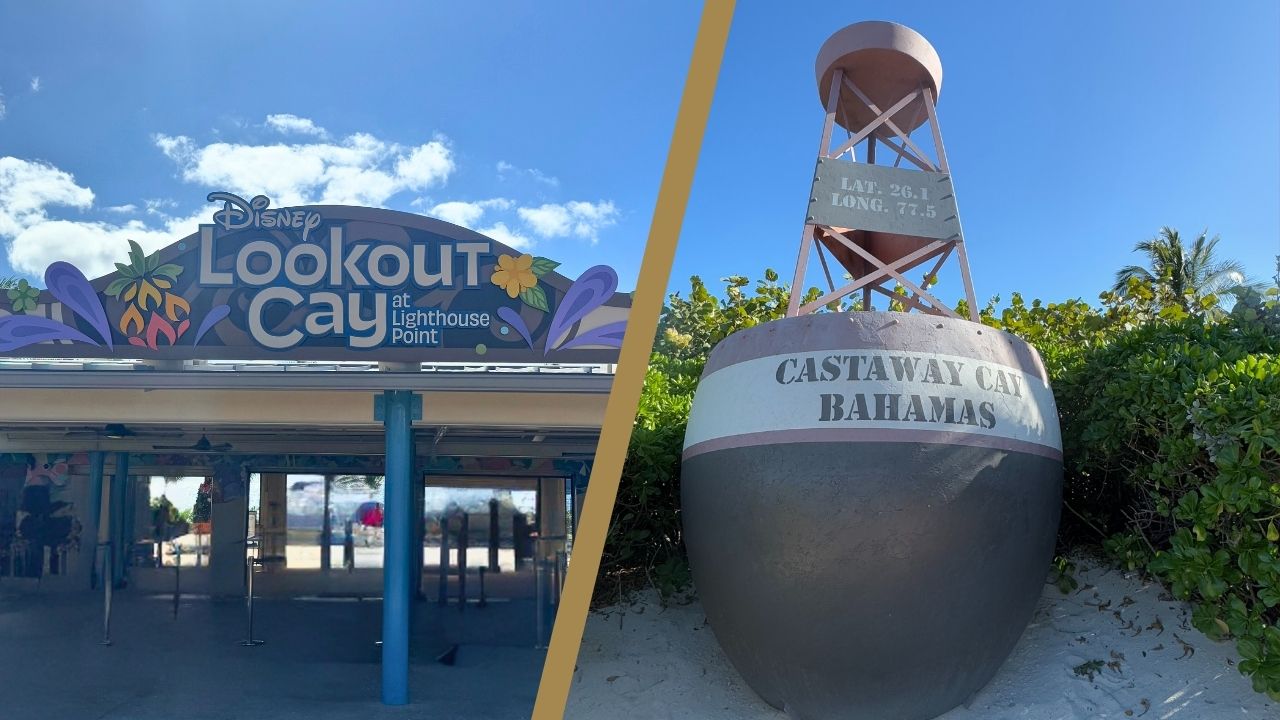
{"points": [[119, 496], [96, 461], [397, 540]]}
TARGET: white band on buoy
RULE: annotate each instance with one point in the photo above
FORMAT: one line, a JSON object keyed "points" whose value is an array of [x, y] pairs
{"points": [[862, 395]]}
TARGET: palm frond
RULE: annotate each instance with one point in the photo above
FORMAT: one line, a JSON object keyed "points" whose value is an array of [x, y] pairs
{"points": [[1182, 272], [1130, 271]]}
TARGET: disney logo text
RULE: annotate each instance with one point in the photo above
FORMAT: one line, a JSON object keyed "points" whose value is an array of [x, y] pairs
{"points": [[238, 213]]}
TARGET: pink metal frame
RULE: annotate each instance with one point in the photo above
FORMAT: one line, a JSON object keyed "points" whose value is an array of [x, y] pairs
{"points": [[883, 131]]}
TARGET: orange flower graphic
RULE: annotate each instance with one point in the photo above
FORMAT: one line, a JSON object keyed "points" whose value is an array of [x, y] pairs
{"points": [[515, 274]]}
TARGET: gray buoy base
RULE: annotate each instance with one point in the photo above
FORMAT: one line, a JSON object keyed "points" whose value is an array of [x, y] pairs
{"points": [[876, 562], [872, 594]]}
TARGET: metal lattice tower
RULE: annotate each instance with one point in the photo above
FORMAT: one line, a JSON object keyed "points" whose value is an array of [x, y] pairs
{"points": [[875, 217]]}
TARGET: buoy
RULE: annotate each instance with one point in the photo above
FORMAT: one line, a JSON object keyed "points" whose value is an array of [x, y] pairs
{"points": [[871, 499]]}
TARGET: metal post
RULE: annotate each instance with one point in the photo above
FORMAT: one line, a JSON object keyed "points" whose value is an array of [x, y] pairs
{"points": [[130, 524], [539, 576], [106, 591], [442, 595], [555, 587], [494, 535], [250, 562], [119, 495], [348, 548], [96, 461], [463, 543], [397, 535], [540, 569], [177, 576], [517, 542], [326, 534]]}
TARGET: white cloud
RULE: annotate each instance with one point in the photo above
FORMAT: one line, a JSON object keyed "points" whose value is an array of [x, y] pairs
{"points": [[123, 209], [505, 168], [178, 148], [27, 188], [426, 165], [505, 235], [157, 206], [289, 123], [548, 220], [35, 84], [467, 214], [3, 110], [358, 170], [577, 218], [93, 247]]}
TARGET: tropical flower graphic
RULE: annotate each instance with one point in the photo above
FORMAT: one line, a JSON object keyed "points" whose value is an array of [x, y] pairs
{"points": [[151, 310], [515, 275], [519, 277], [23, 297]]}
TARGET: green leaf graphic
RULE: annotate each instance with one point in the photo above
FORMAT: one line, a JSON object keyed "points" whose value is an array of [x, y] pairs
{"points": [[136, 258], [542, 266], [117, 286], [169, 270], [536, 298]]}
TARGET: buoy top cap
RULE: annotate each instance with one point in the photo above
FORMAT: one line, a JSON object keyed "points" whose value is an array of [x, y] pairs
{"points": [[886, 61]]}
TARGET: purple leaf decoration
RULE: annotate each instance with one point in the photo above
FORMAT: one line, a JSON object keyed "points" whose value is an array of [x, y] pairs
{"points": [[609, 335], [19, 331], [588, 292], [70, 287], [512, 318], [213, 318]]}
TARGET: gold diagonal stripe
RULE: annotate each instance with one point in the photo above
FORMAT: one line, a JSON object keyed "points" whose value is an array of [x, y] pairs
{"points": [[633, 360]]}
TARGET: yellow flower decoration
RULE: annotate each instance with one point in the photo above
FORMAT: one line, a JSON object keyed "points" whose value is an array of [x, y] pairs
{"points": [[515, 274]]}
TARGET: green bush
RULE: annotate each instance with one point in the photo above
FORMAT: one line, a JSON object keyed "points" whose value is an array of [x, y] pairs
{"points": [[1171, 441], [1175, 455]]}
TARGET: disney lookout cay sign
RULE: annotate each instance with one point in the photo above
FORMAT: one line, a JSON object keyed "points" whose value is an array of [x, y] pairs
{"points": [[320, 282]]}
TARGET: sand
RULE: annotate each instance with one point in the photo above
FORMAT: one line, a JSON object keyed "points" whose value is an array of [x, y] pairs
{"points": [[1117, 647]]}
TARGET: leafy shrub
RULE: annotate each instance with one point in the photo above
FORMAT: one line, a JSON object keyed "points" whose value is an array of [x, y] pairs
{"points": [[1173, 451]]}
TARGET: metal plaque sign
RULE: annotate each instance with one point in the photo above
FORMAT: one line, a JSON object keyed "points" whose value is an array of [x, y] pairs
{"points": [[885, 199], [320, 283]]}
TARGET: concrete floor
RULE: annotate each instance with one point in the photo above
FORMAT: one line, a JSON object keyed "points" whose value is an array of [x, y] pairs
{"points": [[319, 661]]}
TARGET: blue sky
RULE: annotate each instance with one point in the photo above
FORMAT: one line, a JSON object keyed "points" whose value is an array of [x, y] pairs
{"points": [[1073, 129], [543, 124]]}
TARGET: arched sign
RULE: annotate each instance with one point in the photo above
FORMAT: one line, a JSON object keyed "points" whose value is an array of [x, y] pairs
{"points": [[321, 283]]}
